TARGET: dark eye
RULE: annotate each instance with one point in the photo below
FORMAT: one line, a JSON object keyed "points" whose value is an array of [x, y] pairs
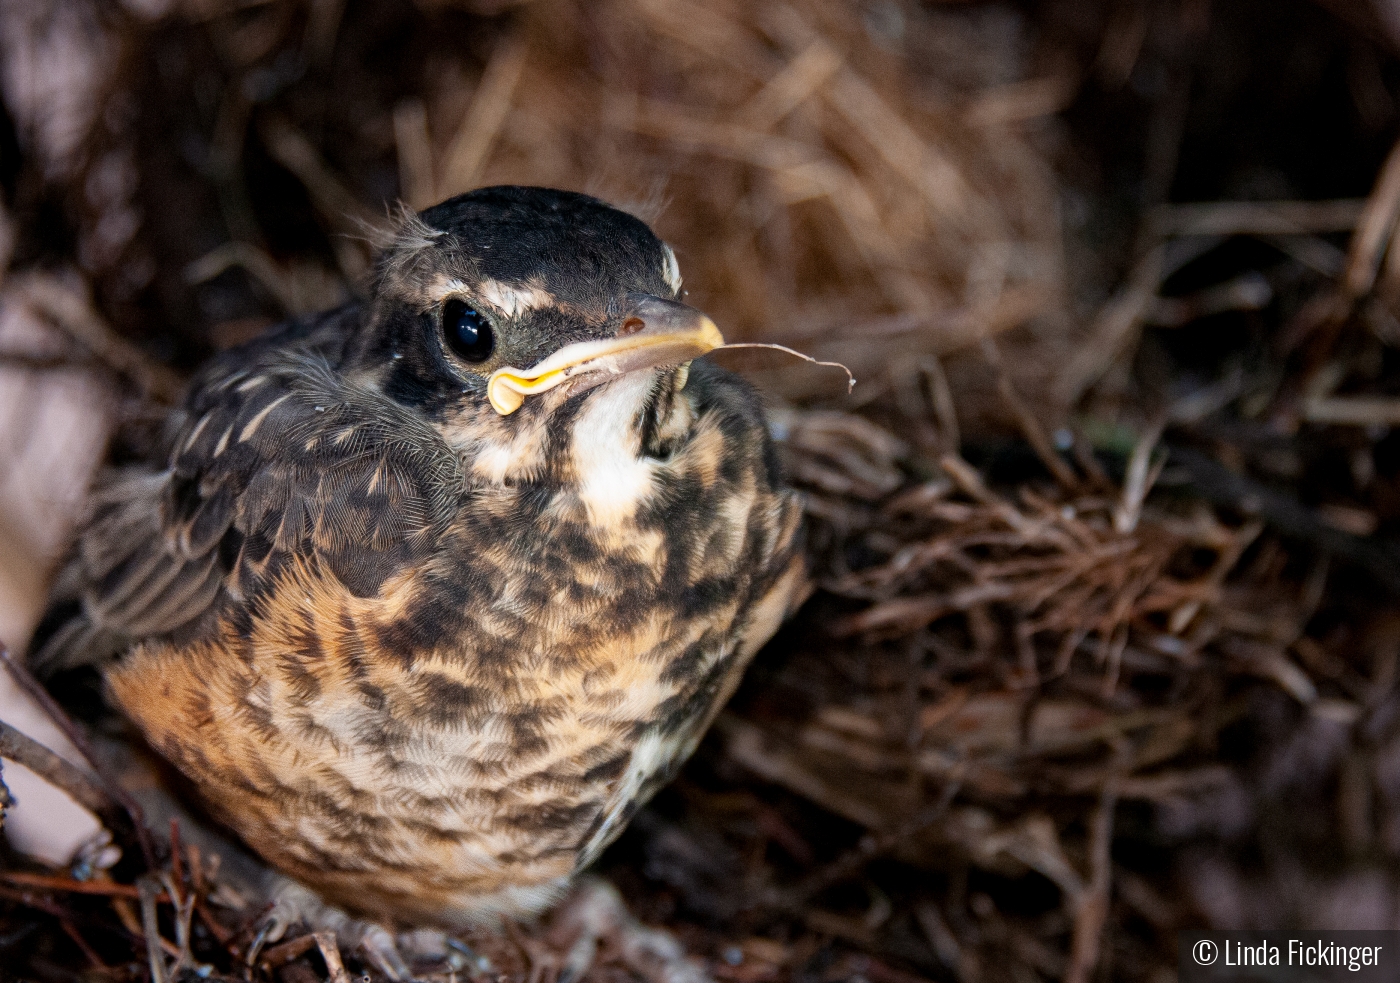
{"points": [[467, 331]]}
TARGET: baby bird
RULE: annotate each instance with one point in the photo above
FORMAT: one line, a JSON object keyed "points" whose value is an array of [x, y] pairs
{"points": [[427, 595]]}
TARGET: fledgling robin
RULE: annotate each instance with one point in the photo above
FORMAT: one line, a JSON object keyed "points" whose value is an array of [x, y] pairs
{"points": [[428, 594]]}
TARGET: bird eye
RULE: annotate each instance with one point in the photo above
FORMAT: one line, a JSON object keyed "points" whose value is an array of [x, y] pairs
{"points": [[467, 331]]}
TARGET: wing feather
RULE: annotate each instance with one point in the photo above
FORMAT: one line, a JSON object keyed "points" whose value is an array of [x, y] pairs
{"points": [[284, 458]]}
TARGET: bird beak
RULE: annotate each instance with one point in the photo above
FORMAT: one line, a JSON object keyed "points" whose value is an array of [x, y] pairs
{"points": [[658, 334]]}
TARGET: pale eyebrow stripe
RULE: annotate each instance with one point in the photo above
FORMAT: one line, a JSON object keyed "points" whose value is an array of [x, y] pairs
{"points": [[672, 271], [512, 300]]}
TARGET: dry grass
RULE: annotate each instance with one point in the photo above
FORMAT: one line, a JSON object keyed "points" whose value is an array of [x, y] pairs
{"points": [[1020, 727]]}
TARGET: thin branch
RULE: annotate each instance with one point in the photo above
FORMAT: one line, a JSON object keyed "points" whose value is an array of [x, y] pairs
{"points": [[94, 960], [872, 846], [944, 408], [48, 882], [471, 146], [1258, 218], [151, 928], [415, 153], [850, 378], [1092, 911], [1374, 229], [1218, 484], [1139, 480], [64, 306], [284, 952], [1027, 421], [135, 815], [1355, 411], [30, 362], [330, 952], [184, 915], [81, 786], [7, 801]]}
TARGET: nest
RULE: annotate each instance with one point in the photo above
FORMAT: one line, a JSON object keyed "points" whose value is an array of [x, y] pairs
{"points": [[1104, 644]]}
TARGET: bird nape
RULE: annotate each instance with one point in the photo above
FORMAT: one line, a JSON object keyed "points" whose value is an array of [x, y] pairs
{"points": [[428, 594]]}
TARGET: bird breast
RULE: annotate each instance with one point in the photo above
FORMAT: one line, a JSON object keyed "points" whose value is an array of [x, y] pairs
{"points": [[458, 744]]}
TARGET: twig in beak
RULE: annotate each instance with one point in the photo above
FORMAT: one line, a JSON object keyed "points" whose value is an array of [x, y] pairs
{"points": [[850, 378]]}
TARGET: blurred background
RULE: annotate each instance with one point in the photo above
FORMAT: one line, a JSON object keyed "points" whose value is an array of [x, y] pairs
{"points": [[1106, 643]]}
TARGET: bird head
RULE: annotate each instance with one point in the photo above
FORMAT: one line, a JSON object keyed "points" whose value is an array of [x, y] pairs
{"points": [[537, 330]]}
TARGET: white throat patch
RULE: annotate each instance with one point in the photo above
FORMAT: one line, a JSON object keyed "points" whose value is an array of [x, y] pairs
{"points": [[613, 476]]}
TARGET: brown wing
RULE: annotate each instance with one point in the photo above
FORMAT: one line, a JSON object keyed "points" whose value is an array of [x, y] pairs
{"points": [[278, 457]]}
